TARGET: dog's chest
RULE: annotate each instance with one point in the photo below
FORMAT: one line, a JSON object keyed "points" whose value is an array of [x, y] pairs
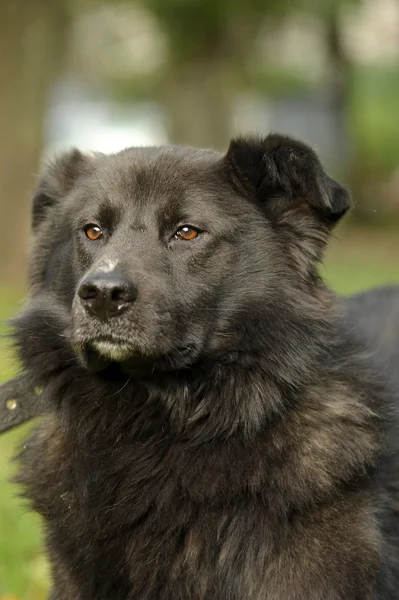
{"points": [[122, 521], [150, 518]]}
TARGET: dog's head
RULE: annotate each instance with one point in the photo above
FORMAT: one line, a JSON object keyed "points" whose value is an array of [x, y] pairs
{"points": [[161, 256]]}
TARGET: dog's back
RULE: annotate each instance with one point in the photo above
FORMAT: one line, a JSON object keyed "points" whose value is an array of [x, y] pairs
{"points": [[373, 316]]}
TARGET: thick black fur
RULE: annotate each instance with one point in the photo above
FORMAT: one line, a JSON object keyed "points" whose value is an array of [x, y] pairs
{"points": [[234, 450]]}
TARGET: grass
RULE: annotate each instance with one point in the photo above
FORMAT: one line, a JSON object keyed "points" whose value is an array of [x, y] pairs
{"points": [[23, 570], [359, 259]]}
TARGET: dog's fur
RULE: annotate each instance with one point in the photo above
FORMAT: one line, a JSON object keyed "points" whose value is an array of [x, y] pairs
{"points": [[374, 316], [233, 450]]}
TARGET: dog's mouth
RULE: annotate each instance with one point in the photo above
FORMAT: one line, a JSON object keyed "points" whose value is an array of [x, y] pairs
{"points": [[100, 353], [112, 350], [135, 345]]}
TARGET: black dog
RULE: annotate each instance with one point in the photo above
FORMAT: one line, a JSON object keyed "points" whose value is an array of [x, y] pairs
{"points": [[374, 316], [213, 432]]}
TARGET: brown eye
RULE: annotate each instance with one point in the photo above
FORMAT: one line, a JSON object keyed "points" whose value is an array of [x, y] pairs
{"points": [[187, 233], [93, 232]]}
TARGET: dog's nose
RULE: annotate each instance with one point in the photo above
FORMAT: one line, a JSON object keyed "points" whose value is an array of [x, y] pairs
{"points": [[107, 295]]}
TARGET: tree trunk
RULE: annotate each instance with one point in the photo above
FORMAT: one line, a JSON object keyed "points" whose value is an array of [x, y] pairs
{"points": [[340, 71], [32, 36], [198, 100]]}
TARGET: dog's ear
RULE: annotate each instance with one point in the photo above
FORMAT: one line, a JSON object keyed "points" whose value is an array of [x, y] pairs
{"points": [[281, 168], [285, 178], [57, 179]]}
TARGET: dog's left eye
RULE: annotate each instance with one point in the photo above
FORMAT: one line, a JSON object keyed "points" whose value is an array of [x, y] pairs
{"points": [[187, 233], [93, 232]]}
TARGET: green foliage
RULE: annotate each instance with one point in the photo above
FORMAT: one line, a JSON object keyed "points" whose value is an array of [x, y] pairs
{"points": [[204, 28], [373, 112]]}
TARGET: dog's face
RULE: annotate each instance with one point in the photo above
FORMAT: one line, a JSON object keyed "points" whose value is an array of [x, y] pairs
{"points": [[161, 255]]}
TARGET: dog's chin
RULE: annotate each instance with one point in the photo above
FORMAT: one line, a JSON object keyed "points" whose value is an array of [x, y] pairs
{"points": [[98, 356], [112, 351], [93, 361]]}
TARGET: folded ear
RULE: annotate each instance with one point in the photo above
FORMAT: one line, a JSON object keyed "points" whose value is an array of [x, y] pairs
{"points": [[57, 179], [284, 168], [285, 178]]}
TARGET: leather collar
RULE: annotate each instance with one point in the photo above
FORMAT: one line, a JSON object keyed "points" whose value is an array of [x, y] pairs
{"points": [[19, 402]]}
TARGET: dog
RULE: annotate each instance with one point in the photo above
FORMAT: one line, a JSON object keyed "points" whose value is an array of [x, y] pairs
{"points": [[214, 430], [373, 316]]}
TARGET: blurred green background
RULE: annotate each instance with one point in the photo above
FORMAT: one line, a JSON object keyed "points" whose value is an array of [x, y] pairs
{"points": [[103, 75]]}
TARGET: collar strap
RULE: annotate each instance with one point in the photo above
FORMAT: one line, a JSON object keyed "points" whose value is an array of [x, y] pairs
{"points": [[19, 402]]}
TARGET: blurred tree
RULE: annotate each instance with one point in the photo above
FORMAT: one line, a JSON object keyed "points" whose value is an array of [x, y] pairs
{"points": [[211, 42], [213, 50], [212, 46], [32, 39]]}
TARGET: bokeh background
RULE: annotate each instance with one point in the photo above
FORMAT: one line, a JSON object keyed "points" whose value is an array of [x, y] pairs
{"points": [[106, 74]]}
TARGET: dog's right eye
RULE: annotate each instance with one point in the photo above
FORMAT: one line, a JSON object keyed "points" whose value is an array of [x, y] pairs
{"points": [[187, 233], [93, 232]]}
